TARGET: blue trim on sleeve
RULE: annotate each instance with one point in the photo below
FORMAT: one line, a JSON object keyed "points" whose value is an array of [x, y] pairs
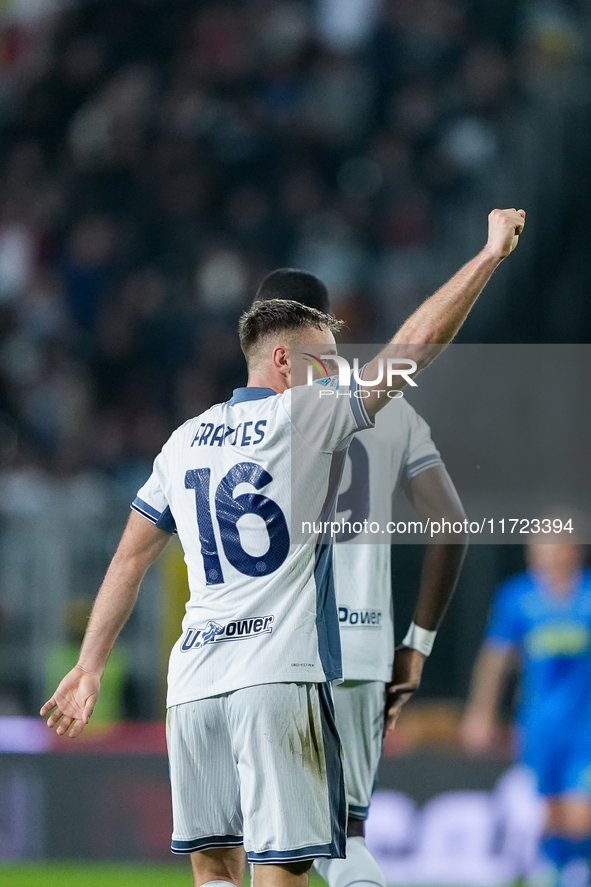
{"points": [[362, 417], [166, 521], [243, 394], [358, 812], [163, 520], [146, 510], [334, 773], [419, 465], [206, 843]]}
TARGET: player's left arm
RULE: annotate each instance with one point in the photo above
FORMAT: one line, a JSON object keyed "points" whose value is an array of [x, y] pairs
{"points": [[433, 495], [71, 705]]}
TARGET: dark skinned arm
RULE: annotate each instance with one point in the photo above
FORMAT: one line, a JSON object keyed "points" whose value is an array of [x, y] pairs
{"points": [[433, 495]]}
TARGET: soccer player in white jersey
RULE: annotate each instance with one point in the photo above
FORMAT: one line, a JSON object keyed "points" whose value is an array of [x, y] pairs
{"points": [[397, 455], [254, 752]]}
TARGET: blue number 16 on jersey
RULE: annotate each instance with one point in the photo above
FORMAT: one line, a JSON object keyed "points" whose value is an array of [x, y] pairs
{"points": [[228, 511]]}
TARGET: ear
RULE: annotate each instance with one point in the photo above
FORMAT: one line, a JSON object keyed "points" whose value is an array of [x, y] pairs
{"points": [[281, 359]]}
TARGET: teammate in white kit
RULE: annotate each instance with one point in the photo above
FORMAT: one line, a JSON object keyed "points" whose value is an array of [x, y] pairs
{"points": [[254, 752], [398, 455]]}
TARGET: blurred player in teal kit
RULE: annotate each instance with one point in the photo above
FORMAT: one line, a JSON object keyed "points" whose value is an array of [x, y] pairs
{"points": [[544, 617]]}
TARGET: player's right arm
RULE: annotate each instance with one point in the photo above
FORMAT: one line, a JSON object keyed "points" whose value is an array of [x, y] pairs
{"points": [[499, 654], [478, 727], [71, 705], [435, 323]]}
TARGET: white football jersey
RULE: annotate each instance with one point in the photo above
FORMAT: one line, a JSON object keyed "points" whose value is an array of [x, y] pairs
{"points": [[380, 462], [261, 609]]}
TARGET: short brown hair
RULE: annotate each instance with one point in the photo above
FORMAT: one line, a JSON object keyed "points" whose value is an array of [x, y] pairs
{"points": [[276, 315]]}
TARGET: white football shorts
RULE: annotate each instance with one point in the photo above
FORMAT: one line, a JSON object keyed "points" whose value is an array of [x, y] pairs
{"points": [[360, 718], [261, 766]]}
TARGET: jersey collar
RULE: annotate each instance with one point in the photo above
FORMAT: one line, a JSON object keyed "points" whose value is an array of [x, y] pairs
{"points": [[242, 394]]}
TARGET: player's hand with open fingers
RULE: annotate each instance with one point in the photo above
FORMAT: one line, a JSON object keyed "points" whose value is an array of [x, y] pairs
{"points": [[504, 229], [72, 704], [406, 680]]}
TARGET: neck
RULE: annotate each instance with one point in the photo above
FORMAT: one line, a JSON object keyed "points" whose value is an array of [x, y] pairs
{"points": [[276, 382]]}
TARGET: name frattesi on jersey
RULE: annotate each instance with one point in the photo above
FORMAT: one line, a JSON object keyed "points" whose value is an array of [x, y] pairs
{"points": [[208, 434]]}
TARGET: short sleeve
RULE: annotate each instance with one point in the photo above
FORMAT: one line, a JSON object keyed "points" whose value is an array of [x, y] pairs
{"points": [[505, 624], [325, 415], [422, 452], [151, 501]]}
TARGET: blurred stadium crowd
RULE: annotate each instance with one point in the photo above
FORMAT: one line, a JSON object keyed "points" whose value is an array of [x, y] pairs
{"points": [[158, 157]]}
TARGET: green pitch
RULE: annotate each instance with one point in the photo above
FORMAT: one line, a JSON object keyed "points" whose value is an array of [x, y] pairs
{"points": [[98, 875], [92, 875]]}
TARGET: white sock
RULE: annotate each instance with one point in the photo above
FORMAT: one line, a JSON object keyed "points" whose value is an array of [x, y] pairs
{"points": [[217, 884], [359, 868]]}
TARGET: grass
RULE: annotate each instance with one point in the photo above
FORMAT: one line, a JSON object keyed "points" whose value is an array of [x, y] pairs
{"points": [[88, 874]]}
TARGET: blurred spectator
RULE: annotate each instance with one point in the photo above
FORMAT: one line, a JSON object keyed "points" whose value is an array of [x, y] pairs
{"points": [[336, 104], [221, 283], [88, 268], [55, 401], [157, 162], [345, 25]]}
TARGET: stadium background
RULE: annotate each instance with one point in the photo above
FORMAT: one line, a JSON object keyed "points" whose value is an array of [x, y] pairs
{"points": [[157, 158]]}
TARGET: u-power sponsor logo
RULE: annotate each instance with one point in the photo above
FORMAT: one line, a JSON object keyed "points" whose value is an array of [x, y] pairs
{"points": [[361, 618], [236, 630]]}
